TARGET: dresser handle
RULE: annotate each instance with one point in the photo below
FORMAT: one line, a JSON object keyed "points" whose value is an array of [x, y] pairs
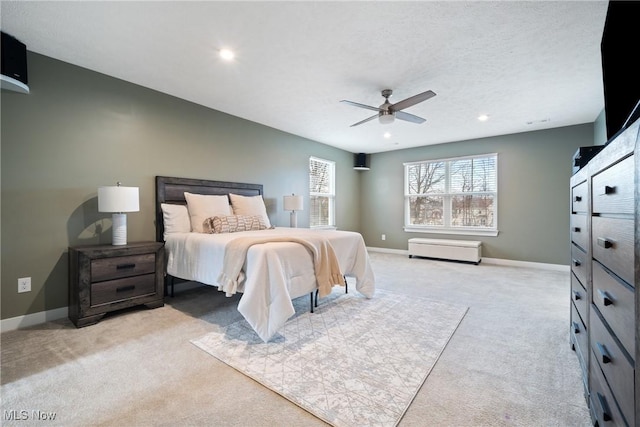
{"points": [[606, 416], [606, 357], [125, 266], [125, 288], [576, 229], [604, 242], [609, 190], [606, 299], [576, 295], [576, 328], [576, 262], [577, 198]]}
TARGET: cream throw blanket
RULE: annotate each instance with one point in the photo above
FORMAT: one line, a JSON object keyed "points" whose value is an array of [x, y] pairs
{"points": [[327, 269]]}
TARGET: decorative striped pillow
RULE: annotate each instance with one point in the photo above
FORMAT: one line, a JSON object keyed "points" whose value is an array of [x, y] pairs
{"points": [[233, 223]]}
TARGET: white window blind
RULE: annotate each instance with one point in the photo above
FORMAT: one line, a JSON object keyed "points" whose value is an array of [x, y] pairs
{"points": [[321, 192]]}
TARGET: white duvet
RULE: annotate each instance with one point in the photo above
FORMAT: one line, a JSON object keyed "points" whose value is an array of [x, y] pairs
{"points": [[276, 272]]}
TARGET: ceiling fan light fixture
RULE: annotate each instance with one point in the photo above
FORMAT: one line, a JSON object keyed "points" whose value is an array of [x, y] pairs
{"points": [[386, 117]]}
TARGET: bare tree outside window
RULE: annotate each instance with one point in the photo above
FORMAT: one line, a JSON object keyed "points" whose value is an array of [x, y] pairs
{"points": [[321, 192], [454, 193]]}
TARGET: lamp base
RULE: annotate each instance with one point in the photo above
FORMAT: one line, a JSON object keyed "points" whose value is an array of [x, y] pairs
{"points": [[293, 219], [119, 229]]}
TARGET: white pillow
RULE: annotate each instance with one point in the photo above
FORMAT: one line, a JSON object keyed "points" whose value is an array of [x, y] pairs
{"points": [[175, 218], [249, 206], [202, 206]]}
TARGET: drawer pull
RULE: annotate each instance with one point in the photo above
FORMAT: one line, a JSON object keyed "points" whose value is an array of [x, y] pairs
{"points": [[604, 242], [576, 262], [576, 229], [609, 190], [604, 407], [576, 295], [606, 357], [125, 288], [606, 298], [125, 266], [577, 198], [576, 328]]}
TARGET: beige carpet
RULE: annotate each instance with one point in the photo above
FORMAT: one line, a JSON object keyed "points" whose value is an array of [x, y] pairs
{"points": [[353, 362]]}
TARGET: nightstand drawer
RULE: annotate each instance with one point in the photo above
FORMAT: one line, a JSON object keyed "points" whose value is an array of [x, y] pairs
{"points": [[578, 264], [579, 230], [616, 304], [116, 290], [614, 364], [613, 189], [579, 198], [124, 266], [613, 245]]}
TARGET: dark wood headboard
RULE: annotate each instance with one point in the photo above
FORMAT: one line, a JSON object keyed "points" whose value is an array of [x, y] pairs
{"points": [[171, 190]]}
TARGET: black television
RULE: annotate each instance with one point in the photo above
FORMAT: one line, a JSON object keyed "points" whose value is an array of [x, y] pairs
{"points": [[621, 79]]}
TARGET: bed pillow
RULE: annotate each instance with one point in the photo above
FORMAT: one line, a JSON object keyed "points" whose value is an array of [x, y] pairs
{"points": [[175, 218], [233, 223], [249, 206], [203, 206]]}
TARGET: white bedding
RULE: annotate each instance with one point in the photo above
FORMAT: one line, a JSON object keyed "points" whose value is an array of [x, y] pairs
{"points": [[276, 272]]}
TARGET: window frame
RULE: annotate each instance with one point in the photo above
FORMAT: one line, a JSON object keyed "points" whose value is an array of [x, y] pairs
{"points": [[447, 196], [331, 223]]}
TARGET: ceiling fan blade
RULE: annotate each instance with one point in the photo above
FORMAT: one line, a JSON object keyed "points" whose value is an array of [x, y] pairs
{"points": [[365, 120], [405, 103], [409, 117], [355, 104]]}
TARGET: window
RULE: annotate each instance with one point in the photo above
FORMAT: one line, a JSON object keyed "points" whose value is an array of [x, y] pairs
{"points": [[455, 196], [322, 193]]}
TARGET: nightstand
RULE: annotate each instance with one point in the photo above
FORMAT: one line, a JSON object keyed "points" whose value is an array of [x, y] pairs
{"points": [[105, 278]]}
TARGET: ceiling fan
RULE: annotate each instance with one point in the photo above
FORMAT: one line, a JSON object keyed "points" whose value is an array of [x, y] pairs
{"points": [[388, 112]]}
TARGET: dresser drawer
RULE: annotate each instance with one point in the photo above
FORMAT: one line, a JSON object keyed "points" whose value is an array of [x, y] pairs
{"points": [[123, 266], [579, 230], [579, 337], [616, 304], [579, 297], [612, 189], [613, 245], [578, 264], [602, 403], [616, 368], [579, 199], [121, 289]]}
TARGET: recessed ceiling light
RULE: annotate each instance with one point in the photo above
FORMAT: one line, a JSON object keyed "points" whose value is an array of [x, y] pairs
{"points": [[387, 135], [227, 54], [483, 117]]}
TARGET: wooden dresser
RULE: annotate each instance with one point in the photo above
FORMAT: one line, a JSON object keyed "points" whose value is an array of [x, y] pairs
{"points": [[105, 278], [605, 271]]}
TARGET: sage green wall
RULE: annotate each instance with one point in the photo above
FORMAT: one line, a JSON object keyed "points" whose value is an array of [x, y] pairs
{"points": [[78, 130], [533, 193]]}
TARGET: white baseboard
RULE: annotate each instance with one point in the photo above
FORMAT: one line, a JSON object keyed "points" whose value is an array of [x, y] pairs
{"points": [[32, 319], [494, 261]]}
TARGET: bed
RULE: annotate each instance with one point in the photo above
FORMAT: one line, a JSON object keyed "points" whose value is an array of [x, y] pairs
{"points": [[275, 264]]}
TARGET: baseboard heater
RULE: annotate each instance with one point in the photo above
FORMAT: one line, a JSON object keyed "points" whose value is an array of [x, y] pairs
{"points": [[453, 250]]}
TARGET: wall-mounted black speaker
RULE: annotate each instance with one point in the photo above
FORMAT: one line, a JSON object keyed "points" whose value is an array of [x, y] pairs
{"points": [[620, 76], [360, 162], [14, 64]]}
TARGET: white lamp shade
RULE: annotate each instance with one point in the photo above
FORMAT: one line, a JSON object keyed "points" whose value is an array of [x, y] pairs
{"points": [[118, 199], [293, 203]]}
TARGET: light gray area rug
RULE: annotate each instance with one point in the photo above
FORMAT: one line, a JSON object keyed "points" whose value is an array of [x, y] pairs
{"points": [[353, 362]]}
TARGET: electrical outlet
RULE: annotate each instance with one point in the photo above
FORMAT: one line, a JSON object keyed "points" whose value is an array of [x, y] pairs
{"points": [[24, 284], [384, 237]]}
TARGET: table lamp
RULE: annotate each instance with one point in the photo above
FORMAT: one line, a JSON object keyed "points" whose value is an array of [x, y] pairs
{"points": [[118, 200], [293, 203]]}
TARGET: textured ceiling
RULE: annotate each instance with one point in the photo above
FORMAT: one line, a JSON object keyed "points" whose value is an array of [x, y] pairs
{"points": [[528, 65]]}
